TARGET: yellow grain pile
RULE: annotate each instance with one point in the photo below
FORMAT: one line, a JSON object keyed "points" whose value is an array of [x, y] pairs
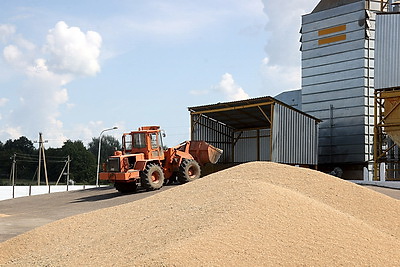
{"points": [[255, 214]]}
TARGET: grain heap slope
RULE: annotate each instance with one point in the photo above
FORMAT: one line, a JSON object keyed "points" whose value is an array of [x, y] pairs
{"points": [[253, 214]]}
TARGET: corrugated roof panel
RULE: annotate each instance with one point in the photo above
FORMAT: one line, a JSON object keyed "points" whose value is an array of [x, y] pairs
{"points": [[329, 4]]}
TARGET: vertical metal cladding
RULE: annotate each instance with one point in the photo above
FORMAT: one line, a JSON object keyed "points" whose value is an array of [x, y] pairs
{"points": [[387, 51], [283, 134], [246, 146], [295, 137], [337, 79], [252, 145], [220, 136]]}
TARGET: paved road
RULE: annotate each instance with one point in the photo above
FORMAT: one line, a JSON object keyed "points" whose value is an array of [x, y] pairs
{"points": [[22, 214], [394, 193]]}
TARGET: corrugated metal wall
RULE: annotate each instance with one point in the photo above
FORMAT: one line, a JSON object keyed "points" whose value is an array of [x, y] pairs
{"points": [[387, 52], [337, 79], [295, 137], [252, 145], [214, 133]]}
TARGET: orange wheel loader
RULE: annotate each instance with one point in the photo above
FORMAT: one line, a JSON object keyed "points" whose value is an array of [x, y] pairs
{"points": [[144, 162]]}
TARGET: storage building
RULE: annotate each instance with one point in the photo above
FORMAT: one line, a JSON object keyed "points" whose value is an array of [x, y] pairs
{"points": [[337, 47], [258, 129], [387, 96]]}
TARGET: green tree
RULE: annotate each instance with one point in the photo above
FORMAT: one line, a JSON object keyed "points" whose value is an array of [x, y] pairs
{"points": [[24, 149], [109, 144], [83, 163], [21, 145]]}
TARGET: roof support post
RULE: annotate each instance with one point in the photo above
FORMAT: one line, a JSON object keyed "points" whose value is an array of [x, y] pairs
{"points": [[258, 145], [265, 115], [271, 143], [193, 123], [233, 147], [234, 141]]}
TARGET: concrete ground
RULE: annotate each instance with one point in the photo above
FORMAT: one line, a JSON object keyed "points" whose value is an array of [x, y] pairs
{"points": [[391, 192], [20, 215]]}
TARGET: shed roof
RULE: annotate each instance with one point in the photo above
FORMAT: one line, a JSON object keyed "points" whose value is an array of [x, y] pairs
{"points": [[254, 113]]}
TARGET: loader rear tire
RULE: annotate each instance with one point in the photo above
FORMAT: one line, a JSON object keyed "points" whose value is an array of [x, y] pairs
{"points": [[189, 170], [152, 177], [126, 187]]}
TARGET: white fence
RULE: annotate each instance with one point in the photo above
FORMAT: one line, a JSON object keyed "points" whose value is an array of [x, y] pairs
{"points": [[8, 192]]}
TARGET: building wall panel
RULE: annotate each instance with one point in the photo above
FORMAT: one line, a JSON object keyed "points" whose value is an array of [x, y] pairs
{"points": [[220, 136], [295, 137], [311, 30], [323, 95], [349, 36], [337, 85], [333, 76], [387, 52], [332, 13], [337, 80], [252, 146], [340, 66], [312, 60], [335, 48]]}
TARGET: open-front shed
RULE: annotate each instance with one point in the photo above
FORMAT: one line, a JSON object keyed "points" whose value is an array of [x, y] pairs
{"points": [[257, 129]]}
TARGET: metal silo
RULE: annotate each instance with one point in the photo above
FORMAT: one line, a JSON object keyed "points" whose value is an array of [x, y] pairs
{"points": [[337, 81]]}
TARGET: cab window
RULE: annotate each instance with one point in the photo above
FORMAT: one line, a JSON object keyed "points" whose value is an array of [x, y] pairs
{"points": [[153, 138], [128, 142], [139, 140]]}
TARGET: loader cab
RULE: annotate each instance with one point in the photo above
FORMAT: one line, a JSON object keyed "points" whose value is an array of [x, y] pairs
{"points": [[147, 140]]}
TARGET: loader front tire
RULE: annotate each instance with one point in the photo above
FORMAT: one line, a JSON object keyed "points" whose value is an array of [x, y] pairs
{"points": [[152, 177], [189, 170], [126, 187]]}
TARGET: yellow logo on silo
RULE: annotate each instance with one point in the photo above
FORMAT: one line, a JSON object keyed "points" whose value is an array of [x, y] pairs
{"points": [[332, 39]]}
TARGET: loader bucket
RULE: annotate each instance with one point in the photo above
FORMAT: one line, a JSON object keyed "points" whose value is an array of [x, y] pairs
{"points": [[204, 153]]}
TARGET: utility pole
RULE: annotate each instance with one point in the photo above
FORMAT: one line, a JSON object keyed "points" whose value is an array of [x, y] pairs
{"points": [[62, 172], [69, 161], [12, 173], [41, 151]]}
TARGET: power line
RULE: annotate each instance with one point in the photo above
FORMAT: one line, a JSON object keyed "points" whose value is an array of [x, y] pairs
{"points": [[34, 158]]}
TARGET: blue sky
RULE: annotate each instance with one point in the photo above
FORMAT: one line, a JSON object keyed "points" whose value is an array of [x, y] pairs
{"points": [[70, 69]]}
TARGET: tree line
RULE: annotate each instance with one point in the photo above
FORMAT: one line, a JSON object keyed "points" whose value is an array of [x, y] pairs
{"points": [[83, 160]]}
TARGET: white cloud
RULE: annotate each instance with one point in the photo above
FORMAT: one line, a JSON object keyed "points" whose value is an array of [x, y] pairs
{"points": [[67, 54], [9, 132], [73, 51], [13, 55], [282, 66], [85, 132], [280, 77], [3, 101], [230, 89], [6, 31], [171, 21], [24, 44]]}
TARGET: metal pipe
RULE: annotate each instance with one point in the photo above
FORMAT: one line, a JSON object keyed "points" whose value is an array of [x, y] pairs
{"points": [[376, 138]]}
